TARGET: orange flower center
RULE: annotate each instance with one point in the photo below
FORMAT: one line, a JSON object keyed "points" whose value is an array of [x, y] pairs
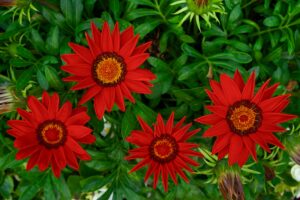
{"points": [[52, 133], [163, 149], [109, 69], [244, 117]]}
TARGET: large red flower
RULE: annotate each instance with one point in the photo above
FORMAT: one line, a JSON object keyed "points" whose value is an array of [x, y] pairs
{"points": [[241, 119], [49, 135], [109, 68], [163, 149]]}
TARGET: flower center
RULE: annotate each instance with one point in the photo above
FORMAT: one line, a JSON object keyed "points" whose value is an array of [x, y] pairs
{"points": [[163, 149], [198, 7], [52, 133], [109, 69], [201, 2], [244, 117]]}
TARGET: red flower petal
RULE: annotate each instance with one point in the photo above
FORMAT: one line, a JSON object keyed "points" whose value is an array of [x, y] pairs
{"points": [[277, 118], [239, 80], [84, 83], [250, 145], [230, 89], [259, 95], [135, 61], [209, 119], [272, 104], [90, 93], [78, 69], [235, 149], [218, 92], [140, 75], [126, 35], [106, 40], [94, 48], [44, 158], [269, 91], [219, 110], [72, 59], [142, 48], [83, 52], [99, 106], [64, 112], [120, 99], [221, 142], [116, 37], [96, 34], [78, 131], [80, 119], [129, 46], [248, 91]]}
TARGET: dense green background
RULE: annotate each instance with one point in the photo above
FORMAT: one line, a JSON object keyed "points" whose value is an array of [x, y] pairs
{"points": [[260, 35]]}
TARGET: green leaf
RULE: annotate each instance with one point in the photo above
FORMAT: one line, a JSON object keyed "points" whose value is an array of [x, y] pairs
{"points": [[114, 6], [143, 2], [24, 78], [239, 45], [72, 9], [37, 40], [274, 55], [31, 190], [190, 51], [53, 78], [147, 27], [235, 14], [187, 39], [93, 183], [61, 185], [142, 12], [7, 187], [144, 112], [49, 189], [17, 62], [74, 184], [42, 80], [52, 43], [239, 57], [271, 21], [55, 18], [25, 53], [157, 63], [129, 122]]}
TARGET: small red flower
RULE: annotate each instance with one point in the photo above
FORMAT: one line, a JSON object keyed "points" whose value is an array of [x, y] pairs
{"points": [[241, 119], [109, 68], [49, 135], [163, 149]]}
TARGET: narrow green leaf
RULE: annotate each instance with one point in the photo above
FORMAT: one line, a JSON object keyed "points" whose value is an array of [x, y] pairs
{"points": [[37, 40], [114, 6], [147, 27], [7, 187], [24, 78], [129, 122], [142, 12], [52, 78], [190, 51], [25, 53], [271, 21], [52, 43], [42, 80]]}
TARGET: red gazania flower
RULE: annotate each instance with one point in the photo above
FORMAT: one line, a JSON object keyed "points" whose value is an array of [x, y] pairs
{"points": [[163, 149], [241, 119], [49, 134], [109, 68]]}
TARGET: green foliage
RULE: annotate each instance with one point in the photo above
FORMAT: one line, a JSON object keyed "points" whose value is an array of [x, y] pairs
{"points": [[257, 35]]}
